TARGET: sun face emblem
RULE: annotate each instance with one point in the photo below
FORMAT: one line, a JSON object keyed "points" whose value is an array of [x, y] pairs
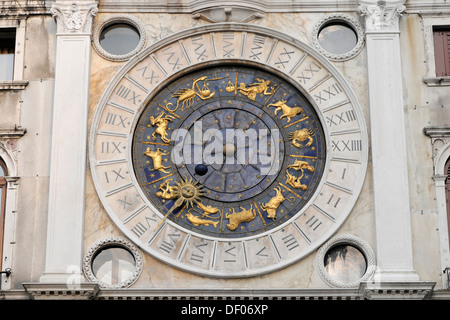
{"points": [[187, 192]]}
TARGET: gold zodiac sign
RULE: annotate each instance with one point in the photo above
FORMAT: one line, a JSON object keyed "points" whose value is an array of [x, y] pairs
{"points": [[187, 96], [288, 112], [167, 191], [294, 181], [157, 158], [273, 204], [236, 218], [207, 212], [196, 221], [162, 122], [262, 86], [301, 135], [186, 193]]}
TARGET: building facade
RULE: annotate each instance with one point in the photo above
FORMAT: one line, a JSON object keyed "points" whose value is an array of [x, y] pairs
{"points": [[257, 149]]}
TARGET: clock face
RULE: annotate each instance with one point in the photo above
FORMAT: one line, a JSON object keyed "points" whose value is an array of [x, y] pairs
{"points": [[229, 151], [221, 165]]}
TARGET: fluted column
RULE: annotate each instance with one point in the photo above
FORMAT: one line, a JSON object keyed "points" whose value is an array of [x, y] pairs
{"points": [[64, 248], [389, 154]]}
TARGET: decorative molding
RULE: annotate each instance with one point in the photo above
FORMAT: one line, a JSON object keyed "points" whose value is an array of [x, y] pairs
{"points": [[351, 240], [228, 14], [13, 85], [382, 15], [112, 241], [229, 294], [52, 291], [74, 17], [437, 81], [15, 133], [119, 18], [340, 18], [397, 290]]}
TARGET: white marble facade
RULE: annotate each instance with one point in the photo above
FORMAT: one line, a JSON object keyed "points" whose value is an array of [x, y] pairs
{"points": [[56, 215]]}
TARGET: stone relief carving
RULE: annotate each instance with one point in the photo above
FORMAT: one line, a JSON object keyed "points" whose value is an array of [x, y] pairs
{"points": [[381, 15], [74, 17]]}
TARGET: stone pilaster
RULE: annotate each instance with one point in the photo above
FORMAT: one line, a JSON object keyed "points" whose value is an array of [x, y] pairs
{"points": [[389, 154], [64, 249]]}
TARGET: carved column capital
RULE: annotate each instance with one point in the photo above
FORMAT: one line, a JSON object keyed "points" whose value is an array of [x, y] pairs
{"points": [[381, 16], [74, 17]]}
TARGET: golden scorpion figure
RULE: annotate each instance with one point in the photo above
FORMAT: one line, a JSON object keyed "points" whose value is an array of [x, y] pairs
{"points": [[187, 96]]}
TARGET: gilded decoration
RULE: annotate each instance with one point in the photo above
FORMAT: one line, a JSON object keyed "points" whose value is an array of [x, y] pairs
{"points": [[226, 166]]}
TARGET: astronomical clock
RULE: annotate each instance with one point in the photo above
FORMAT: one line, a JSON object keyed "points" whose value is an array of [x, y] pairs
{"points": [[228, 150]]}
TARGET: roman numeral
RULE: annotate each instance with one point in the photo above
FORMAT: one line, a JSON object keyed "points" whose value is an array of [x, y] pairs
{"points": [[199, 50], [117, 175], [199, 253], [172, 59], [128, 94], [140, 228], [152, 77], [313, 223], [256, 50], [290, 242], [333, 202], [343, 117], [111, 147], [231, 255], [168, 244], [310, 72], [328, 93], [115, 120], [284, 57], [228, 38], [346, 145]]}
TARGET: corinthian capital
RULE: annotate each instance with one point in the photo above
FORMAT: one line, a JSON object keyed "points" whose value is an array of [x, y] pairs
{"points": [[74, 17], [381, 15]]}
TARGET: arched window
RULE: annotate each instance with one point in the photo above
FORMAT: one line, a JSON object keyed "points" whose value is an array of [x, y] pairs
{"points": [[3, 187], [447, 191]]}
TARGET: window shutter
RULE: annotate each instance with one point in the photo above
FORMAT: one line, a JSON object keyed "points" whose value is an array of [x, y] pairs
{"points": [[447, 192], [441, 52]]}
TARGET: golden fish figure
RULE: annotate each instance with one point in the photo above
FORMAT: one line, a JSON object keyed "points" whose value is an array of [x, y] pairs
{"points": [[207, 209], [196, 221]]}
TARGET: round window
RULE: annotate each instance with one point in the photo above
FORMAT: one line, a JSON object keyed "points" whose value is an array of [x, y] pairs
{"points": [[345, 263], [337, 38], [113, 263], [119, 38]]}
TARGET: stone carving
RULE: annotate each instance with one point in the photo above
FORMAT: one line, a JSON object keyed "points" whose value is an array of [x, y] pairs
{"points": [[381, 15], [74, 17]]}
